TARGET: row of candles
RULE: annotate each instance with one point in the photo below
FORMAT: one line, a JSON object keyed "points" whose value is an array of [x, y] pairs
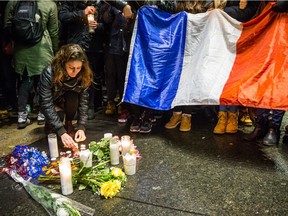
{"points": [[124, 145]]}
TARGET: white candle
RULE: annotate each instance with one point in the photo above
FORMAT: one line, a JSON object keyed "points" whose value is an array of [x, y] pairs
{"points": [[114, 152], [129, 164], [126, 144], [53, 145], [66, 176], [108, 135], [86, 157], [90, 17], [82, 147]]}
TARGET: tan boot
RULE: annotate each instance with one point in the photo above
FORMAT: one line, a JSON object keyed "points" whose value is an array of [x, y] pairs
{"points": [[221, 124], [185, 122], [174, 120], [110, 108], [232, 123]]}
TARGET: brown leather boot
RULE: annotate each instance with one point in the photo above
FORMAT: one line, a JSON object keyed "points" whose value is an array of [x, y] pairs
{"points": [[185, 122], [70, 128], [259, 131]]}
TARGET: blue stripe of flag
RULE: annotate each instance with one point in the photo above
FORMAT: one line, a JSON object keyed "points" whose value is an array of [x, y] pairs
{"points": [[157, 58]]}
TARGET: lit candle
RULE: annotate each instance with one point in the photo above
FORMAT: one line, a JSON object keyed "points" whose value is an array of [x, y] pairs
{"points": [[53, 146], [114, 151], [129, 164], [108, 135], [86, 157], [66, 176], [90, 17], [126, 144], [82, 147]]}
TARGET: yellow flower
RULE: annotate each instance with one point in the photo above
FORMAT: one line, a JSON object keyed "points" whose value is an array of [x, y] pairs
{"points": [[117, 172], [110, 188]]}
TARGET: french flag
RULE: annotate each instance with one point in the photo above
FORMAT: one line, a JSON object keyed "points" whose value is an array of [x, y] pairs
{"points": [[208, 59]]}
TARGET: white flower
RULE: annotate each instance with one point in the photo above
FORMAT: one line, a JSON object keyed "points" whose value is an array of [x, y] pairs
{"points": [[62, 212]]}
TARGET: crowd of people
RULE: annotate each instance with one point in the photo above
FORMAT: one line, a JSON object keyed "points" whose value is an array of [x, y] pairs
{"points": [[84, 47]]}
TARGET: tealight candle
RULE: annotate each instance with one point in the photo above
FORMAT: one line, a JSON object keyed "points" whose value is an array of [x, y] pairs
{"points": [[66, 176], [114, 152], [86, 157], [108, 135], [53, 145], [126, 144], [129, 164]]}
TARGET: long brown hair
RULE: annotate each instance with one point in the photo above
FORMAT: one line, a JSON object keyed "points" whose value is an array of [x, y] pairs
{"points": [[67, 53]]}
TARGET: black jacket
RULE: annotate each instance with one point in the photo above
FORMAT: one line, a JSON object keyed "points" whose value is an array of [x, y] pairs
{"points": [[232, 8], [49, 94]]}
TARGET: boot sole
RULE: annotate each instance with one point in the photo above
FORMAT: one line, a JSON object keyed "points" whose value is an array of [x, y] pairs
{"points": [[23, 125], [219, 132], [185, 130], [174, 126]]}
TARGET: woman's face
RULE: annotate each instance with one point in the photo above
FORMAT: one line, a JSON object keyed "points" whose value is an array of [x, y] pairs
{"points": [[73, 67]]}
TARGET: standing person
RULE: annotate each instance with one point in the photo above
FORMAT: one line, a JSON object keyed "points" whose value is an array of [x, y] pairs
{"points": [[242, 11], [76, 27], [267, 126], [29, 61], [63, 90], [116, 57], [8, 76]]}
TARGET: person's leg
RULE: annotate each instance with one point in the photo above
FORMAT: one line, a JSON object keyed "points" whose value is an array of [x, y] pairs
{"points": [[261, 125], [185, 124], [220, 128], [71, 104], [273, 135], [120, 62], [111, 84], [175, 119], [232, 120], [137, 112], [25, 86]]}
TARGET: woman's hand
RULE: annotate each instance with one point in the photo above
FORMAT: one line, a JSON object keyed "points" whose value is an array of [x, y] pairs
{"points": [[89, 10], [68, 141], [80, 136]]}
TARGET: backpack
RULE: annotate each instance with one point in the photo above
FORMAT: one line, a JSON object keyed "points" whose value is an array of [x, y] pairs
{"points": [[27, 23]]}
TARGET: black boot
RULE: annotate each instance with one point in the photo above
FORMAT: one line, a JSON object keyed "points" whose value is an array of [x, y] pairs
{"points": [[285, 137], [259, 131], [272, 137]]}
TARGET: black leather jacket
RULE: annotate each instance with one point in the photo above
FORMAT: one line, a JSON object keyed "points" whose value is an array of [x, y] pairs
{"points": [[49, 94]]}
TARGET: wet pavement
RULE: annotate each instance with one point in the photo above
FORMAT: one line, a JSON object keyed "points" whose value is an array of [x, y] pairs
{"points": [[192, 173]]}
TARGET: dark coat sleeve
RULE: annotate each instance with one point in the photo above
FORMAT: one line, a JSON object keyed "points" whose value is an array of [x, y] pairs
{"points": [[83, 109], [47, 107], [232, 8]]}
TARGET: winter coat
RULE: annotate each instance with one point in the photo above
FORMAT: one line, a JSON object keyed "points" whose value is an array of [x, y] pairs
{"points": [[36, 58], [49, 94], [242, 15], [75, 24]]}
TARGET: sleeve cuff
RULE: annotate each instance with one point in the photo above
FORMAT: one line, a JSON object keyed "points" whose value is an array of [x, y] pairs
{"points": [[61, 131]]}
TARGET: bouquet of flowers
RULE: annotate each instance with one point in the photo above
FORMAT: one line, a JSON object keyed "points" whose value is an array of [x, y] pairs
{"points": [[54, 203], [27, 161]]}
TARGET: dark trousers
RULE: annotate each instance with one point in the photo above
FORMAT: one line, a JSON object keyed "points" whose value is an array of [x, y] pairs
{"points": [[96, 61], [115, 75], [26, 85], [69, 103], [8, 82], [275, 116], [183, 109]]}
